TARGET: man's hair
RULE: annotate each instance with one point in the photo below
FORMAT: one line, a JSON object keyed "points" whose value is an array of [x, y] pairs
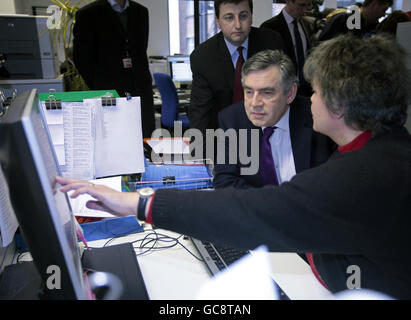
{"points": [[380, 2], [389, 24], [364, 79], [218, 3], [268, 58]]}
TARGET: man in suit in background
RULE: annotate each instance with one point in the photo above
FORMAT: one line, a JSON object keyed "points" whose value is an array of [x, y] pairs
{"points": [[110, 51], [270, 101], [216, 83], [296, 36]]}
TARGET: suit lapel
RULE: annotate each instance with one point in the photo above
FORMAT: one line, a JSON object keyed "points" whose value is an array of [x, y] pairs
{"points": [[300, 133], [288, 40], [307, 34], [225, 68], [249, 126]]}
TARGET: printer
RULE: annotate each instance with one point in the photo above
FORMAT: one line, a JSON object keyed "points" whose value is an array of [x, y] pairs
{"points": [[27, 44]]}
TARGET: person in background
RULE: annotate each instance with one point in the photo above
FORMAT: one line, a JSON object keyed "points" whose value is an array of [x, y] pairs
{"points": [[371, 11], [216, 63], [389, 24], [352, 211], [296, 35], [270, 104], [110, 51]]}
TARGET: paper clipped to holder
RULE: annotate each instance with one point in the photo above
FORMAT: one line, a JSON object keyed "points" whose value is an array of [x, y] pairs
{"points": [[96, 137]]}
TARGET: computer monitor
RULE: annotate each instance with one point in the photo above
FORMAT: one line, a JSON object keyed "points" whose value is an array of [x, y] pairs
{"points": [[180, 70], [43, 212]]}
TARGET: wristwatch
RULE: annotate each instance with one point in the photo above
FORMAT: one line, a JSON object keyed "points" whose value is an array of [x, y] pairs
{"points": [[145, 194]]}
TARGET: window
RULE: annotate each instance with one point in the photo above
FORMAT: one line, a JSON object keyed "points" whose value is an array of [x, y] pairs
{"points": [[181, 26], [183, 15], [208, 25]]}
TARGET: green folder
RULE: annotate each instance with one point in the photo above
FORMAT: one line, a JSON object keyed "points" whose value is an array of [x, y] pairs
{"points": [[77, 96]]}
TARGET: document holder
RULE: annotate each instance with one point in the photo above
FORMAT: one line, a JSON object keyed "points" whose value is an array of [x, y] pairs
{"points": [[121, 261]]}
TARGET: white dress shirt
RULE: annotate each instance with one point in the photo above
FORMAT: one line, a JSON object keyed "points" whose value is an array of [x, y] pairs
{"points": [[281, 149], [234, 52], [116, 7]]}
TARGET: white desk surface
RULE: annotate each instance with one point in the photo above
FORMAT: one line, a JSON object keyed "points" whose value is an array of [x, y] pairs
{"points": [[174, 274]]}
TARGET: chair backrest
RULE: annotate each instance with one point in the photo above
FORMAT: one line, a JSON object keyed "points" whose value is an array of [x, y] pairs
{"points": [[169, 97]]}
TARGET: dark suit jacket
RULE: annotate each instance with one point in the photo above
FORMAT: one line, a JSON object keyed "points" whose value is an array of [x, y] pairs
{"points": [[309, 147], [213, 75], [100, 45], [279, 25], [338, 25], [352, 210]]}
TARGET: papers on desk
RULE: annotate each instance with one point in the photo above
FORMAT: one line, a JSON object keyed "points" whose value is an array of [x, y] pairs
{"points": [[170, 145], [246, 279], [93, 140], [78, 204]]}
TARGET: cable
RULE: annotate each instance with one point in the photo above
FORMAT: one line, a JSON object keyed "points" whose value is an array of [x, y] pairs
{"points": [[159, 237], [152, 241]]}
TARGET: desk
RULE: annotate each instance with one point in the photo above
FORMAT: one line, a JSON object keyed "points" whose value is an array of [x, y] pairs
{"points": [[174, 274]]}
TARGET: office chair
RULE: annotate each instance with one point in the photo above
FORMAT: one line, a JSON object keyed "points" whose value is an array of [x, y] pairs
{"points": [[170, 104]]}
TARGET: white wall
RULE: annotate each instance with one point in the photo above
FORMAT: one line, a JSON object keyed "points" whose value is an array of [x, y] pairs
{"points": [[262, 11], [158, 42], [7, 7], [404, 5]]}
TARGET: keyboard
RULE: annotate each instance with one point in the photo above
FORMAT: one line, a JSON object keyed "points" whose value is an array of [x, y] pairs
{"points": [[218, 257]]}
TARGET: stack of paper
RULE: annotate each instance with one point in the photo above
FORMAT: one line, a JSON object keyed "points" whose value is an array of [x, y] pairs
{"points": [[92, 140]]}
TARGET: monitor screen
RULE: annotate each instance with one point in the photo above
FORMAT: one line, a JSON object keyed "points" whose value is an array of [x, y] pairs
{"points": [[43, 212], [180, 70]]}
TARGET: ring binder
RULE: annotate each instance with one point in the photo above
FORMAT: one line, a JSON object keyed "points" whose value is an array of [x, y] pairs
{"points": [[52, 103]]}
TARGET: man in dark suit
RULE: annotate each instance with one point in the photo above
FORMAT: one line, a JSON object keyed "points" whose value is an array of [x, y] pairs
{"points": [[110, 51], [214, 62], [270, 86], [296, 35]]}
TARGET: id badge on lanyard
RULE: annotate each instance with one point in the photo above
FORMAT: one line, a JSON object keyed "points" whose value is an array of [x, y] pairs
{"points": [[127, 61]]}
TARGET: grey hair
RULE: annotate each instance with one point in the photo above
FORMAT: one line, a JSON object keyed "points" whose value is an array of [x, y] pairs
{"points": [[268, 58], [365, 79]]}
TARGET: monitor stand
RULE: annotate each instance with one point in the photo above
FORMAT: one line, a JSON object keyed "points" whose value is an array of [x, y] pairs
{"points": [[22, 281], [121, 261]]}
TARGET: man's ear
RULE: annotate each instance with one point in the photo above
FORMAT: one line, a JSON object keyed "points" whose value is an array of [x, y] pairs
{"points": [[292, 92], [218, 22]]}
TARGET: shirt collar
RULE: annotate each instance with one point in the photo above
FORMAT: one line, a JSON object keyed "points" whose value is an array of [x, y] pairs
{"points": [[232, 48], [116, 7], [289, 19], [357, 143], [283, 123]]}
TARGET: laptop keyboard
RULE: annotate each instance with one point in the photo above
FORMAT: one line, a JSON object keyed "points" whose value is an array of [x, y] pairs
{"points": [[218, 257]]}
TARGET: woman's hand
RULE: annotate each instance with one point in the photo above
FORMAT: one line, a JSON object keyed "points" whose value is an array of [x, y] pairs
{"points": [[107, 199]]}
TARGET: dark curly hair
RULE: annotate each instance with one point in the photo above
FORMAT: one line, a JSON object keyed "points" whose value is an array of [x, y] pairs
{"points": [[365, 79], [218, 3]]}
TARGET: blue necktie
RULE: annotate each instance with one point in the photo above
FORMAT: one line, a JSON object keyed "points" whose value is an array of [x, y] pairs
{"points": [[267, 169]]}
